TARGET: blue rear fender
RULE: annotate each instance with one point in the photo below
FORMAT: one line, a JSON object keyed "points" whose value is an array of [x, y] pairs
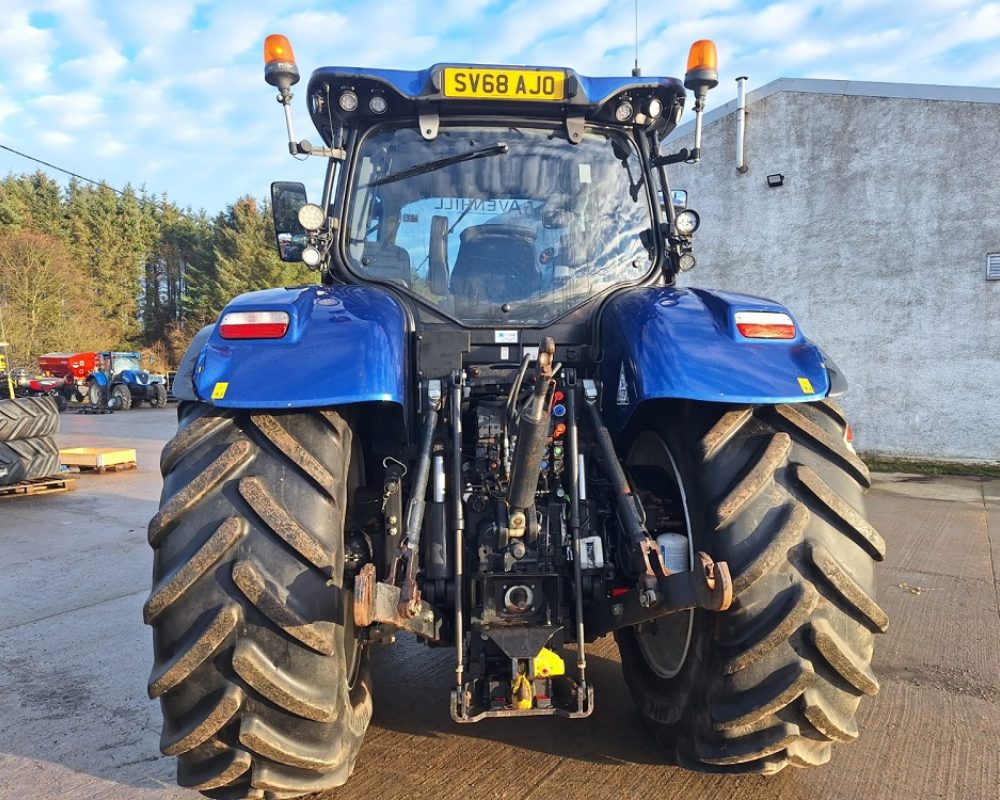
{"points": [[683, 343], [344, 344]]}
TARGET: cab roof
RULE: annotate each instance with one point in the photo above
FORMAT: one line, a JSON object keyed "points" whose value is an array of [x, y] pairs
{"points": [[416, 93]]}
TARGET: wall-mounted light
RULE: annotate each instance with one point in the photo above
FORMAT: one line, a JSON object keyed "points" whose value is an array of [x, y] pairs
{"points": [[776, 180]]}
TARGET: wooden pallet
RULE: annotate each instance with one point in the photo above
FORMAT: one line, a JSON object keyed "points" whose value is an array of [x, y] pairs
{"points": [[38, 486], [100, 470], [99, 459]]}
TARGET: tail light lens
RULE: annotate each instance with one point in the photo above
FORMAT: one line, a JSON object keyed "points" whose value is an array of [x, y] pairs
{"points": [[765, 325], [254, 325]]}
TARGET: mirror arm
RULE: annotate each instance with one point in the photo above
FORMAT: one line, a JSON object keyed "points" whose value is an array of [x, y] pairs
{"points": [[305, 148], [682, 156]]}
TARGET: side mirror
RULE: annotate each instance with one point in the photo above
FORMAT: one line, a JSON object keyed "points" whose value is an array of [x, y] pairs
{"points": [[437, 259], [286, 199], [679, 197]]}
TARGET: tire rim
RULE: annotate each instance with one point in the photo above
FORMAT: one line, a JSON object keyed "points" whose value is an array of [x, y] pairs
{"points": [[94, 394], [352, 647], [665, 642]]}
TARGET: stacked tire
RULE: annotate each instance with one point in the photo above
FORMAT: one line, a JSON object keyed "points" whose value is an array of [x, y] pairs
{"points": [[27, 447]]}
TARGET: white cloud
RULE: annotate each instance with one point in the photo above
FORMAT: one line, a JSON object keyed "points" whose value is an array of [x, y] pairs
{"points": [[109, 149], [56, 139], [7, 106], [28, 48], [70, 111], [97, 67]]}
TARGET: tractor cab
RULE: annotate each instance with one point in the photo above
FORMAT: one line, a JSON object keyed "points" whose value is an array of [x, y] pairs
{"points": [[489, 196], [122, 365]]}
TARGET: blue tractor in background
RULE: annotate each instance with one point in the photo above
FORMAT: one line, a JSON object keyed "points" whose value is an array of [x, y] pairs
{"points": [[120, 382], [502, 427]]}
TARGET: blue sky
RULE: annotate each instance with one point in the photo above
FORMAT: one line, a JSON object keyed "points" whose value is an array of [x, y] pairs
{"points": [[171, 94]]}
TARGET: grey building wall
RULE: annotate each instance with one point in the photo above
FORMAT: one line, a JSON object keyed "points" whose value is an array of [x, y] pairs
{"points": [[877, 242]]}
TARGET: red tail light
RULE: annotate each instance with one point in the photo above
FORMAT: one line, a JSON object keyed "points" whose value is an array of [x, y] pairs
{"points": [[765, 325], [254, 325]]}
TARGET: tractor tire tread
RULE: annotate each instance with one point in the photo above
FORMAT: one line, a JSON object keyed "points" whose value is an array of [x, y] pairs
{"points": [[270, 511], [251, 676], [122, 392], [270, 600], [203, 724], [849, 519], [28, 459], [28, 418], [761, 474]]}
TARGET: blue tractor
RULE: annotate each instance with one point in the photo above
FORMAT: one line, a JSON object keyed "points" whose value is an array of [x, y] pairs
{"points": [[503, 428], [120, 382]]}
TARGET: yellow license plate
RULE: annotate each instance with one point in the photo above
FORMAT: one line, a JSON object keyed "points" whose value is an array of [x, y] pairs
{"points": [[504, 84]]}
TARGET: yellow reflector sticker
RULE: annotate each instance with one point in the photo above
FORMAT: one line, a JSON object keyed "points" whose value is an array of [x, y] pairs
{"points": [[806, 386], [219, 392], [504, 84]]}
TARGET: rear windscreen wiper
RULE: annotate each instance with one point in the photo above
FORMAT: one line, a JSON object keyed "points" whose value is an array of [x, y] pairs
{"points": [[430, 166]]}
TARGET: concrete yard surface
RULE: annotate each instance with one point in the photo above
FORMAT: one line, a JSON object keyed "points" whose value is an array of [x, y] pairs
{"points": [[75, 721]]}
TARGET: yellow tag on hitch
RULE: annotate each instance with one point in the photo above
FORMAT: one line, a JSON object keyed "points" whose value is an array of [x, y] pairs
{"points": [[548, 664]]}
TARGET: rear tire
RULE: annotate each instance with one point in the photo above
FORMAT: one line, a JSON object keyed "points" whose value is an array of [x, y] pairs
{"points": [[95, 394], [121, 397], [263, 686], [27, 418], [27, 459], [159, 398], [777, 679]]}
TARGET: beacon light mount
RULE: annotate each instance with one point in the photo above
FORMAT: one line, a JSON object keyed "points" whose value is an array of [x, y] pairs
{"points": [[281, 72], [702, 74]]}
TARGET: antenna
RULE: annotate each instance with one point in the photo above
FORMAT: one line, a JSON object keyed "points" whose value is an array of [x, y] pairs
{"points": [[636, 72]]}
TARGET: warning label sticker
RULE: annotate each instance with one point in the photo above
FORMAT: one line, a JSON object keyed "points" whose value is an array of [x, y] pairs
{"points": [[622, 387]]}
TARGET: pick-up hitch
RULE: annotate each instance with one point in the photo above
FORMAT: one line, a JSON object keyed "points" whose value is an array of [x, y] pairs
{"points": [[379, 603], [708, 586]]}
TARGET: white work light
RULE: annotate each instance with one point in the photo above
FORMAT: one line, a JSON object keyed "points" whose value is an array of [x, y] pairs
{"points": [[687, 222], [311, 217]]}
